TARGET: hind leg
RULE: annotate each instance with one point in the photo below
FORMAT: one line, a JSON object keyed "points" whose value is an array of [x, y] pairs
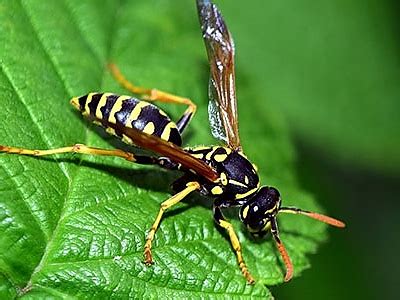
{"points": [[83, 149], [157, 95]]}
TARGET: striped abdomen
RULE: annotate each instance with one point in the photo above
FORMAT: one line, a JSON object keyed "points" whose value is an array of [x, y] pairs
{"points": [[129, 112]]}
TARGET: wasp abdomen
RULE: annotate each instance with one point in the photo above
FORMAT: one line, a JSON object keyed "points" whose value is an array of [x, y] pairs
{"points": [[129, 112]]}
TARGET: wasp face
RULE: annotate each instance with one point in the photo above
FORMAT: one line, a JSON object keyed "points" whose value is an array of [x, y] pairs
{"points": [[258, 212]]}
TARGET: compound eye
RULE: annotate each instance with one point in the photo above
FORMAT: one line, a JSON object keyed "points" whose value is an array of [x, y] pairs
{"points": [[251, 216]]}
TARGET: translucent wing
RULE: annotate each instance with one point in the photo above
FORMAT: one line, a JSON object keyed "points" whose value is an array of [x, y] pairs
{"points": [[222, 108], [217, 128], [164, 148]]}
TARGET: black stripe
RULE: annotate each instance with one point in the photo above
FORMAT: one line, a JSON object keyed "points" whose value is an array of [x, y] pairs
{"points": [[175, 137], [219, 150], [145, 160], [105, 110], [82, 102], [126, 109], [148, 114], [201, 151], [93, 103], [151, 113]]}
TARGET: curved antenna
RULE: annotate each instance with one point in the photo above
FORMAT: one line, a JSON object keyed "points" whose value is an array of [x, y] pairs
{"points": [[313, 215], [279, 244], [282, 250]]}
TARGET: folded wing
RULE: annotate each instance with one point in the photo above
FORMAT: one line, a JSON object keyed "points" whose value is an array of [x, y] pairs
{"points": [[220, 49]]}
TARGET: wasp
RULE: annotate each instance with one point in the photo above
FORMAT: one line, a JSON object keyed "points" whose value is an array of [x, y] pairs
{"points": [[221, 172]]}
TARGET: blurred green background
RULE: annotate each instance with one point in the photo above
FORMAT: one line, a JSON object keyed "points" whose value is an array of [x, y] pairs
{"points": [[332, 68]]}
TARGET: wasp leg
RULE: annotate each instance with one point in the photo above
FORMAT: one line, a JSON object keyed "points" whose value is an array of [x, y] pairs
{"points": [[83, 149], [77, 148], [220, 219], [156, 95], [190, 187]]}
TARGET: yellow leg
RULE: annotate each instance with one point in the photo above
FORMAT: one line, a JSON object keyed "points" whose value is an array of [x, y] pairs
{"points": [[190, 187], [151, 94], [238, 249], [77, 148]]}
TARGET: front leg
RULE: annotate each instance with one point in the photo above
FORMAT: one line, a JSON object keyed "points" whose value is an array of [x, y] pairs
{"points": [[190, 187], [219, 218]]}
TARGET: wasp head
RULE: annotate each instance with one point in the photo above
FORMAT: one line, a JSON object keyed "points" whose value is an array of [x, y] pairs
{"points": [[259, 215], [260, 210]]}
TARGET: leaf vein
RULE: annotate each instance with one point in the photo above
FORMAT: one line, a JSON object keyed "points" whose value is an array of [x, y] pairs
{"points": [[57, 71], [82, 36], [43, 260]]}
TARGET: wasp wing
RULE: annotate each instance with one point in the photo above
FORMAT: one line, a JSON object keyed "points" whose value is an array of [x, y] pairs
{"points": [[220, 50], [164, 148]]}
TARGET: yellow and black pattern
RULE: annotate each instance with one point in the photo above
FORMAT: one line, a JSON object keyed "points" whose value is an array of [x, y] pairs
{"points": [[128, 112], [238, 179]]}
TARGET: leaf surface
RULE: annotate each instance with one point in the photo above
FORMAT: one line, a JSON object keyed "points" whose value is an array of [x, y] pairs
{"points": [[74, 226]]}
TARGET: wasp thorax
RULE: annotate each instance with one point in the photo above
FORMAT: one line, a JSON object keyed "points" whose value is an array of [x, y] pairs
{"points": [[258, 212]]}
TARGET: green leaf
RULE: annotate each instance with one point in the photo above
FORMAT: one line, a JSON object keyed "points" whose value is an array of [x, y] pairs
{"points": [[74, 226]]}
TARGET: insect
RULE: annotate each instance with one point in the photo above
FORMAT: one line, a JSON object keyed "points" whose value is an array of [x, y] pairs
{"points": [[222, 172]]}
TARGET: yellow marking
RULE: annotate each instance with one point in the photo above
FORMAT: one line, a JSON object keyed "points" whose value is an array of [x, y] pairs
{"points": [[234, 182], [255, 168], [224, 180], [135, 113], [200, 148], [167, 131], [245, 211], [197, 155], [209, 154], [116, 108], [267, 226], [88, 100], [272, 209], [212, 150], [149, 128], [220, 157], [248, 193], [75, 103], [216, 190], [123, 97], [127, 140], [163, 113], [102, 102], [246, 179], [110, 130]]}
